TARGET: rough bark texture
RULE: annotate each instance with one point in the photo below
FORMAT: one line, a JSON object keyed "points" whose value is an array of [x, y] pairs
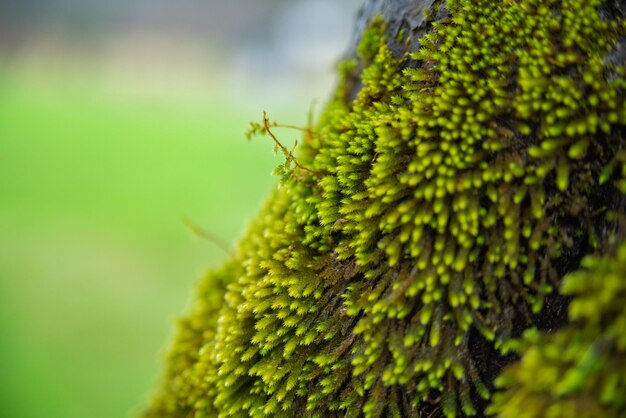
{"points": [[404, 18], [400, 15]]}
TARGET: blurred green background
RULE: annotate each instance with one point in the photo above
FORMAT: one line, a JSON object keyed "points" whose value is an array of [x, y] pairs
{"points": [[117, 120]]}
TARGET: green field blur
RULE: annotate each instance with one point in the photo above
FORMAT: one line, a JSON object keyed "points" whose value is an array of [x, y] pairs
{"points": [[118, 120], [95, 261]]}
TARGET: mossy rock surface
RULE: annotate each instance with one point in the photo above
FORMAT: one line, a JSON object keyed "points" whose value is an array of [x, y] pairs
{"points": [[425, 223]]}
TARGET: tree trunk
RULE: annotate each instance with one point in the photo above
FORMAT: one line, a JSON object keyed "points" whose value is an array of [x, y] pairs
{"points": [[471, 159]]}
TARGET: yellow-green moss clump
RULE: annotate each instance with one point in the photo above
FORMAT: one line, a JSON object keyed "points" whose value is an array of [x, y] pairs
{"points": [[579, 371], [421, 229]]}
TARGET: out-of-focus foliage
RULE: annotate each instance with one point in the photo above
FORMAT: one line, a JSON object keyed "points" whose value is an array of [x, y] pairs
{"points": [[94, 256], [119, 119]]}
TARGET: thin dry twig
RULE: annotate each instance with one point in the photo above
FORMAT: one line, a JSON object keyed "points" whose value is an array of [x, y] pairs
{"points": [[289, 154], [202, 234], [297, 128]]}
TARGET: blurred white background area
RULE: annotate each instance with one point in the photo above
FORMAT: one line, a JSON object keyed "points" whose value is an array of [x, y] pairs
{"points": [[258, 52]]}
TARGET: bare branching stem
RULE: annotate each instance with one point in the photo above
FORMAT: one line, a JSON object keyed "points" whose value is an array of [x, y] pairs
{"points": [[288, 154]]}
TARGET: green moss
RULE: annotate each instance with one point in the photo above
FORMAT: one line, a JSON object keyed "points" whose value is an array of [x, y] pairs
{"points": [[187, 387], [435, 206], [580, 370]]}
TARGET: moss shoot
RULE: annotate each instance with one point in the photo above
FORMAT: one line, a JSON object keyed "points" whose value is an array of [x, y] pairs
{"points": [[420, 229], [581, 369]]}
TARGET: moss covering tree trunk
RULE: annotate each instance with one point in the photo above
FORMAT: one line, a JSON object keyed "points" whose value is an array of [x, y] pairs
{"points": [[447, 240]]}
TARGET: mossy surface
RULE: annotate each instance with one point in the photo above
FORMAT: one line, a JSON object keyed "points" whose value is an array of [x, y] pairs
{"points": [[579, 370], [421, 227]]}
